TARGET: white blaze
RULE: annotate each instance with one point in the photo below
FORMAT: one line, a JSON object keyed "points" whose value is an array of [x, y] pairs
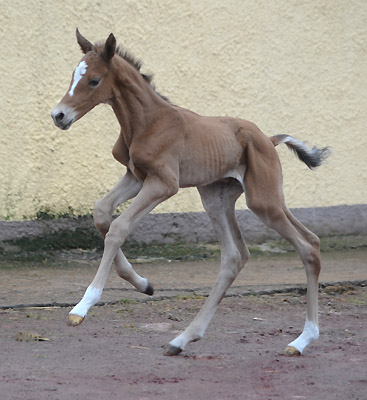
{"points": [[80, 70]]}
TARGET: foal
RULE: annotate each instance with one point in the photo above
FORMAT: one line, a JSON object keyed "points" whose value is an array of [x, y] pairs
{"points": [[166, 147]]}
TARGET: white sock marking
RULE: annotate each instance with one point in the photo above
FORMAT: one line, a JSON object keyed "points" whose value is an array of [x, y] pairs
{"points": [[309, 334], [90, 298], [80, 70], [179, 341]]}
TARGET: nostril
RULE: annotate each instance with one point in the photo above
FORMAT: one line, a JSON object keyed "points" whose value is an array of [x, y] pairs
{"points": [[59, 117]]}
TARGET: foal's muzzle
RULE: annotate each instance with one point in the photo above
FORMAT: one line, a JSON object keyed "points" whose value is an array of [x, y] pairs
{"points": [[63, 117]]}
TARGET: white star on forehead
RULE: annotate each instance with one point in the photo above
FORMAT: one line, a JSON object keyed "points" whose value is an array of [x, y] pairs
{"points": [[80, 70]]}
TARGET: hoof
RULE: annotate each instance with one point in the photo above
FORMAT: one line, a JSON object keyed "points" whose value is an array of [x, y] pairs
{"points": [[172, 350], [149, 290], [291, 351], [75, 320]]}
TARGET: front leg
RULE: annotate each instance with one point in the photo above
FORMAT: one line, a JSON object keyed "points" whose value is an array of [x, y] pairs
{"points": [[153, 192], [127, 188]]}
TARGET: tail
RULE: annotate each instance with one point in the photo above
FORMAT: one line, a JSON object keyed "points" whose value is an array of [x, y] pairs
{"points": [[313, 158]]}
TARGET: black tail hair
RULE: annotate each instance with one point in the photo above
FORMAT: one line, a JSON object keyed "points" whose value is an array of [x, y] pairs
{"points": [[313, 158]]}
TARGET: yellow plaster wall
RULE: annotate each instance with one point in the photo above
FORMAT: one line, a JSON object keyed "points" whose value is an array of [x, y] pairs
{"points": [[291, 66]]}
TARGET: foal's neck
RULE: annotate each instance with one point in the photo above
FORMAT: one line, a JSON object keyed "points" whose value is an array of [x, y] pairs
{"points": [[134, 101]]}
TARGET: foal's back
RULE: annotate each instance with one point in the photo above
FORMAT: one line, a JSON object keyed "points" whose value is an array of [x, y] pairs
{"points": [[211, 148]]}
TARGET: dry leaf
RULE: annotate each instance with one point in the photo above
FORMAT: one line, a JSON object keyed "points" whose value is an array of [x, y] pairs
{"points": [[27, 336]]}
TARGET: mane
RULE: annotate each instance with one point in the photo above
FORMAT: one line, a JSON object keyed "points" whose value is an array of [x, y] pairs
{"points": [[136, 63]]}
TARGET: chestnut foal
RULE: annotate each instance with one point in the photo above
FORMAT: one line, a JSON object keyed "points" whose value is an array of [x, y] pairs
{"points": [[164, 148]]}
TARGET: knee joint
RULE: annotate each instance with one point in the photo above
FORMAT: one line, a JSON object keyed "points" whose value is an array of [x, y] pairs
{"points": [[101, 216], [312, 258], [315, 242], [116, 234], [245, 255], [232, 263]]}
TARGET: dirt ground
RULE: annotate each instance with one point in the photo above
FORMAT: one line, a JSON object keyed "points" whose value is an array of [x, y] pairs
{"points": [[117, 353]]}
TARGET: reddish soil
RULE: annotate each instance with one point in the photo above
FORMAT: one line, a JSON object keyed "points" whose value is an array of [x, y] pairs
{"points": [[117, 353]]}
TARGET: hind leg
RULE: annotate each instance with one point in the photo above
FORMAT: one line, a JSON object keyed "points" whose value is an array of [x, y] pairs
{"points": [[308, 248], [219, 202], [310, 256], [266, 201]]}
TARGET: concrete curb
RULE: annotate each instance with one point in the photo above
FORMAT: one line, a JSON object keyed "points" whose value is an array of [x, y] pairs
{"points": [[196, 227]]}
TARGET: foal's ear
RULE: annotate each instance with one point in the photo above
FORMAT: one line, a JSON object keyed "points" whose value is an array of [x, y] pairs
{"points": [[109, 48], [84, 44]]}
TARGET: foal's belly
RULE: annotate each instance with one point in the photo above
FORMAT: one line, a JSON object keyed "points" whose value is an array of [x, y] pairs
{"points": [[209, 158]]}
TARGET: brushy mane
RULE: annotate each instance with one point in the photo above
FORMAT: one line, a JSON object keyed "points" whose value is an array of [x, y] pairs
{"points": [[134, 62]]}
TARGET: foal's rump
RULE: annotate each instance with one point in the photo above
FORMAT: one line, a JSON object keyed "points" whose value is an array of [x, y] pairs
{"points": [[263, 167]]}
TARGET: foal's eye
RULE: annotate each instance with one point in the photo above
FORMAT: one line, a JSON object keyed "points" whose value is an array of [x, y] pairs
{"points": [[94, 83]]}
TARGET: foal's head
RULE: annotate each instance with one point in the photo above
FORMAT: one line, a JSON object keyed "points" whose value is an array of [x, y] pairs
{"points": [[91, 83]]}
